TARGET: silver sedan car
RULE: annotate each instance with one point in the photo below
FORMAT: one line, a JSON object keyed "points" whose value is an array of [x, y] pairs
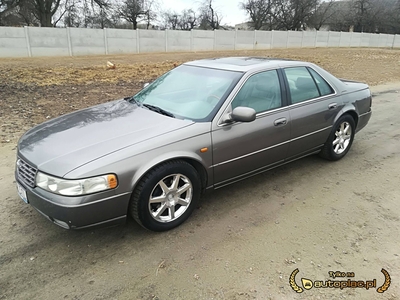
{"points": [[201, 126]]}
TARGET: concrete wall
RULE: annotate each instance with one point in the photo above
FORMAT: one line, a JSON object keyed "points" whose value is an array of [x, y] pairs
{"points": [[120, 41], [203, 40], [179, 40], [14, 42], [263, 39], [35, 41]]}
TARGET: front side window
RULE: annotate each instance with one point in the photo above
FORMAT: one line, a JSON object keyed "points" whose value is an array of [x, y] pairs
{"points": [[190, 92], [261, 92], [305, 84]]}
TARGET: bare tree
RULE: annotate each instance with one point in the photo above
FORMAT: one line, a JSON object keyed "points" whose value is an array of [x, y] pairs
{"points": [[259, 11], [132, 11], [44, 10], [171, 19], [150, 8], [187, 19], [322, 13], [6, 9], [293, 14], [210, 18]]}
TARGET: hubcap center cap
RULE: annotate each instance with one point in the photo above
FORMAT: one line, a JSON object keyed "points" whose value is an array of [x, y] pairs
{"points": [[170, 199]]}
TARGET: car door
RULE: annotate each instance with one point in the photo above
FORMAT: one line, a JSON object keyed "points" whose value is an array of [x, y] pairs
{"points": [[313, 107], [242, 149]]}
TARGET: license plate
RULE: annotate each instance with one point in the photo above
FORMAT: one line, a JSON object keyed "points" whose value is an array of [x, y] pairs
{"points": [[22, 193]]}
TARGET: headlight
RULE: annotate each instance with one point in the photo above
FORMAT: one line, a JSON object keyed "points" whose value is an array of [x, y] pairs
{"points": [[76, 187]]}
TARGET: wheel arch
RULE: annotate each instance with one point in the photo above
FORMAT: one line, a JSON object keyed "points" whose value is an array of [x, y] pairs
{"points": [[350, 111], [193, 161]]}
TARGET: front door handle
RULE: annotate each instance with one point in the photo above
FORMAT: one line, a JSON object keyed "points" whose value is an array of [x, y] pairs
{"points": [[332, 105], [279, 122]]}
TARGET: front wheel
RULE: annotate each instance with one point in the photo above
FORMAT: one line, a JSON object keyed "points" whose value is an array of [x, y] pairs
{"points": [[166, 196], [340, 139]]}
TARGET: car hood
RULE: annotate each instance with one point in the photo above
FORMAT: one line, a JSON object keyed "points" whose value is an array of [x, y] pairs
{"points": [[65, 143]]}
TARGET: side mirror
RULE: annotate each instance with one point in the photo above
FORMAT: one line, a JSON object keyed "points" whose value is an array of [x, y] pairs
{"points": [[145, 85], [243, 114]]}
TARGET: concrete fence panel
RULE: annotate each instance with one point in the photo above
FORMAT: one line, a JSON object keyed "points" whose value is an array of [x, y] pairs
{"points": [[86, 41], [333, 39], [179, 40], [203, 40], [224, 40], [263, 40], [309, 39], [13, 42], [279, 39], [385, 40], [373, 40], [48, 41], [35, 41], [345, 39], [294, 39], [396, 41], [365, 38], [152, 41], [322, 39], [121, 41], [244, 40], [355, 39]]}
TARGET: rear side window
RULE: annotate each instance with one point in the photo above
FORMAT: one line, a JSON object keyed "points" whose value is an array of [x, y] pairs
{"points": [[323, 86], [306, 84]]}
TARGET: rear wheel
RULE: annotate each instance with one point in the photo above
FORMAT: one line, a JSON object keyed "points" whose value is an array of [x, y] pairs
{"points": [[340, 139], [166, 196]]}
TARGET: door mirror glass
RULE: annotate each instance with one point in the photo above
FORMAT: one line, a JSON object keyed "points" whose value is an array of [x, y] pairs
{"points": [[243, 114]]}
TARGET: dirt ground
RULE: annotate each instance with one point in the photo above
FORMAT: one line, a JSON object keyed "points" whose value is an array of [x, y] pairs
{"points": [[245, 240]]}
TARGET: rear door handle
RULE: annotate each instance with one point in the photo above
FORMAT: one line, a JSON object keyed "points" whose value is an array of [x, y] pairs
{"points": [[279, 122], [332, 105]]}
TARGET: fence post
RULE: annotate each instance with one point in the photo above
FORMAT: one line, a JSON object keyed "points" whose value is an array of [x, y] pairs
{"points": [[302, 38], [394, 39], [287, 38], [215, 40], [316, 38], [191, 40], [272, 40], [105, 41], [329, 37], [235, 39], [255, 40], [28, 42], [69, 41], [137, 41], [351, 38], [166, 40]]}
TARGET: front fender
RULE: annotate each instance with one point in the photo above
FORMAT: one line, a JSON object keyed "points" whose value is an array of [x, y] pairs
{"points": [[203, 159]]}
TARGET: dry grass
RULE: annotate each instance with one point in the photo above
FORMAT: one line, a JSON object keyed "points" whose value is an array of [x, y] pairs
{"points": [[374, 66]]}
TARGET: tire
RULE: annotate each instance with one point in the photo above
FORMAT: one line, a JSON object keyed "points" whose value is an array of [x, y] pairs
{"points": [[166, 196], [340, 139]]}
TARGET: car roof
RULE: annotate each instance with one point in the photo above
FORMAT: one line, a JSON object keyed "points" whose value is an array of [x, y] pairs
{"points": [[244, 64]]}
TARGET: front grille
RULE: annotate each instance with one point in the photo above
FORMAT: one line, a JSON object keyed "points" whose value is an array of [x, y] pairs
{"points": [[26, 172]]}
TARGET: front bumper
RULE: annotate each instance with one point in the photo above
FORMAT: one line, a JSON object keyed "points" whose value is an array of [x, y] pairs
{"points": [[100, 209]]}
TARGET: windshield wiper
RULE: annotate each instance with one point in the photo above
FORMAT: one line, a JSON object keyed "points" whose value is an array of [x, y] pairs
{"points": [[159, 110], [132, 100]]}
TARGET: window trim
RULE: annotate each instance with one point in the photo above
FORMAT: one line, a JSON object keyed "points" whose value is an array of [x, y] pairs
{"points": [[284, 101], [305, 102]]}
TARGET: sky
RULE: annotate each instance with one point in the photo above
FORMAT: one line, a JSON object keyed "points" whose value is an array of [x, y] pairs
{"points": [[231, 14]]}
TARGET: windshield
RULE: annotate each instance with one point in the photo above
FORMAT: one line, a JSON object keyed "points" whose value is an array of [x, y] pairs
{"points": [[189, 92]]}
